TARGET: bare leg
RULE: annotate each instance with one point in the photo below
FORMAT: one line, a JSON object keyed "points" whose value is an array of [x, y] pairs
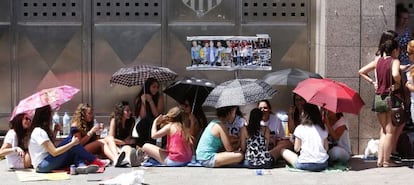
{"points": [[388, 142], [289, 156], [110, 141], [397, 134], [382, 121], [27, 161], [280, 145], [227, 158], [155, 152]]}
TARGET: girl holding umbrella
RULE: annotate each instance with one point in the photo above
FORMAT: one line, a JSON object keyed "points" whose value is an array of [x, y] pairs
{"points": [[148, 105]]}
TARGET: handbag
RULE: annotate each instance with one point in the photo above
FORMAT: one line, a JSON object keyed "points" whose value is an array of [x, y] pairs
{"points": [[398, 112], [382, 103]]}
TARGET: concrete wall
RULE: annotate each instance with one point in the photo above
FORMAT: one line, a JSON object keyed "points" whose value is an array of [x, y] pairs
{"points": [[347, 34]]}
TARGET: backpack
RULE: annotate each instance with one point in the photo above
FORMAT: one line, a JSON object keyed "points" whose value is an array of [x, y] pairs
{"points": [[257, 155]]}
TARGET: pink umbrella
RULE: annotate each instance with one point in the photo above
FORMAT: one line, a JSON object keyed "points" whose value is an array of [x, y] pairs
{"points": [[54, 97], [332, 95]]}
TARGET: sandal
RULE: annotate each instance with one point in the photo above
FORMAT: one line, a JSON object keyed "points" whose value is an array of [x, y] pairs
{"points": [[390, 164], [379, 165]]}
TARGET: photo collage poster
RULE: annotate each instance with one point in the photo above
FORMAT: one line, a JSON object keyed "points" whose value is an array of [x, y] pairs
{"points": [[230, 52]]}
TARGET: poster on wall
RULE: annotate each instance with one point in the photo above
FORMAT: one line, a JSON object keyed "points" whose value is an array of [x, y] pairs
{"points": [[230, 52]]}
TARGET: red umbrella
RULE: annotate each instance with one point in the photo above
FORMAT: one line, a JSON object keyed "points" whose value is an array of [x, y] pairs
{"points": [[332, 95], [54, 97]]}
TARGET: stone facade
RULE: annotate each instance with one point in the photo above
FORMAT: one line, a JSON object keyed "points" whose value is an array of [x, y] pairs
{"points": [[347, 36]]}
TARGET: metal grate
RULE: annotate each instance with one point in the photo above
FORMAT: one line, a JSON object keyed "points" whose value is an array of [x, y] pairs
{"points": [[127, 10], [274, 11], [44, 10]]}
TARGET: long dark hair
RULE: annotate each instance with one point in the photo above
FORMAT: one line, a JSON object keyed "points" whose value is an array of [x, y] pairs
{"points": [[388, 47], [43, 119], [17, 125], [117, 115], [312, 116], [222, 112], [386, 35], [296, 114], [254, 121], [146, 90]]}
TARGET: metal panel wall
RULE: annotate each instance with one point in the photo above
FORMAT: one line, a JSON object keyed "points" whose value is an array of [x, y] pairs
{"points": [[48, 47], [5, 63], [82, 42]]}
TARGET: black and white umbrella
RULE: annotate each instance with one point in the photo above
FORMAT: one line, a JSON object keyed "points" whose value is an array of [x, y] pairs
{"points": [[136, 75], [289, 77], [239, 92]]}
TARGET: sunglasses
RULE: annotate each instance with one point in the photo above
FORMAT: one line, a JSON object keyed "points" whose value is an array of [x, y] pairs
{"points": [[409, 54], [27, 119]]}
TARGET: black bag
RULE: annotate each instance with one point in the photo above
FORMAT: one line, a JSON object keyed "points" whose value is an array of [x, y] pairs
{"points": [[405, 144]]}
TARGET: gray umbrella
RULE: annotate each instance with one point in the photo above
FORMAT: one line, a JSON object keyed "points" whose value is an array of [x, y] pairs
{"points": [[239, 92], [289, 77]]}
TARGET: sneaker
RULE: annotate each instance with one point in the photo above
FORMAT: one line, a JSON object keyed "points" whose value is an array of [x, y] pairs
{"points": [[120, 162], [137, 157], [87, 169], [101, 162]]}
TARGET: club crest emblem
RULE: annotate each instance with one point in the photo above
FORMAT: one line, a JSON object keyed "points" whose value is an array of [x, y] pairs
{"points": [[201, 7]]}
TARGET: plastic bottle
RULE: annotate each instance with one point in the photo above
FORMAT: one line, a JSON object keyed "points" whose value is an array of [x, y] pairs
{"points": [[104, 132], [66, 124], [260, 172], [159, 142], [56, 120], [96, 123]]}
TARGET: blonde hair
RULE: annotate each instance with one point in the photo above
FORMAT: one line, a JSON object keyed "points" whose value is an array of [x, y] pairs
{"points": [[176, 115], [410, 47], [79, 118], [410, 50]]}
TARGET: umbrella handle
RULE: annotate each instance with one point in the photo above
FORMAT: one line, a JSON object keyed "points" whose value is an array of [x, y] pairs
{"points": [[194, 102]]}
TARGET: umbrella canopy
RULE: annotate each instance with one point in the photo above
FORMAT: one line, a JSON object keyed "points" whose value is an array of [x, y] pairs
{"points": [[289, 77], [54, 97], [136, 75], [190, 88], [332, 95], [239, 92]]}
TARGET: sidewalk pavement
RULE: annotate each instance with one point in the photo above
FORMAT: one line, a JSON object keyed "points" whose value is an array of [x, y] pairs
{"points": [[361, 172]]}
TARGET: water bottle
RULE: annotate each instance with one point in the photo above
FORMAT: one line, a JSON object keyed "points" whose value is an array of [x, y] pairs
{"points": [[104, 132], [66, 124], [159, 142], [56, 120], [96, 123]]}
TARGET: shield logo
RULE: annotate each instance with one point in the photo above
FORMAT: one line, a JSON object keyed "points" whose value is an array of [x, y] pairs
{"points": [[201, 7]]}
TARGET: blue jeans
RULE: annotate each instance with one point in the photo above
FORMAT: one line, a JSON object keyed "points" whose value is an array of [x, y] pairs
{"points": [[314, 167], [209, 163], [170, 162], [76, 155]]}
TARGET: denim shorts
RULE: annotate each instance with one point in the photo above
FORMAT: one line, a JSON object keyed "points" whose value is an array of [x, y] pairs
{"points": [[170, 162], [209, 163], [315, 167]]}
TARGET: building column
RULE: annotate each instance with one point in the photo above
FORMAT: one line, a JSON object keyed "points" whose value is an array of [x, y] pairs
{"points": [[347, 33]]}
